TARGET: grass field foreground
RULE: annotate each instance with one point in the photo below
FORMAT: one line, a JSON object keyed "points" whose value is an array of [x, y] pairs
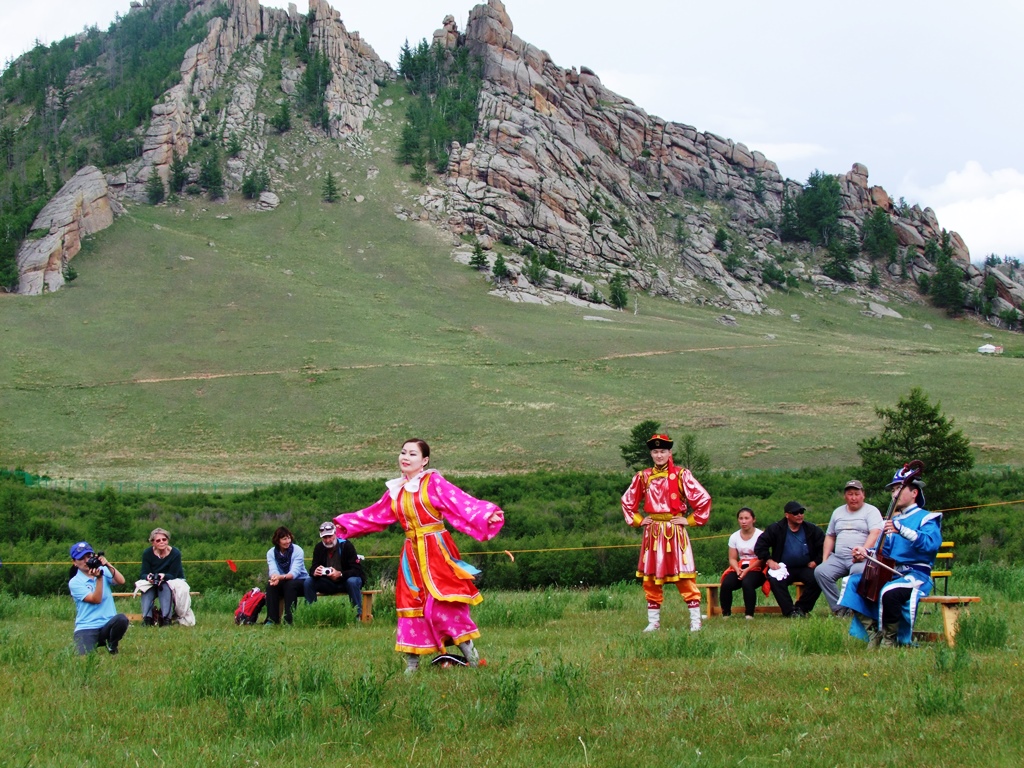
{"points": [[570, 681]]}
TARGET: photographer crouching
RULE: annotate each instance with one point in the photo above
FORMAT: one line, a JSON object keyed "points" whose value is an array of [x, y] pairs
{"points": [[96, 621]]}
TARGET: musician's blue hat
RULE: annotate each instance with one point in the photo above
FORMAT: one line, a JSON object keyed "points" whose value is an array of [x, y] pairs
{"points": [[900, 478]]}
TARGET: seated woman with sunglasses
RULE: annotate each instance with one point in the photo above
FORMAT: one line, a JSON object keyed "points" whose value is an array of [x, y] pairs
{"points": [[161, 564]]}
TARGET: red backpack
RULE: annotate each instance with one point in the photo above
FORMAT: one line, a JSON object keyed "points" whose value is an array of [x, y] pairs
{"points": [[249, 607]]}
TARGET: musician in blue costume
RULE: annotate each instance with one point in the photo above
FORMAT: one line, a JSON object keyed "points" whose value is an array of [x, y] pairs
{"points": [[911, 537]]}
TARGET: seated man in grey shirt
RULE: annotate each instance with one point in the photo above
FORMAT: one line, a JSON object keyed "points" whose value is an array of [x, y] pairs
{"points": [[855, 524]]}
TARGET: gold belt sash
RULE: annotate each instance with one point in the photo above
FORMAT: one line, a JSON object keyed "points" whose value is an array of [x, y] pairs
{"points": [[423, 530], [667, 529]]}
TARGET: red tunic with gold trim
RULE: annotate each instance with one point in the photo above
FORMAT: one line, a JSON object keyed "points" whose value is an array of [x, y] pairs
{"points": [[665, 553], [434, 588]]}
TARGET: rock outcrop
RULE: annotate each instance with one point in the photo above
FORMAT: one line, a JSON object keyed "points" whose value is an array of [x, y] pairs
{"points": [[564, 164], [82, 207], [357, 70], [183, 112]]}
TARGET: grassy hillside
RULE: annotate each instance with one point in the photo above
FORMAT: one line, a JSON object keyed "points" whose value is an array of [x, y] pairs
{"points": [[205, 341]]}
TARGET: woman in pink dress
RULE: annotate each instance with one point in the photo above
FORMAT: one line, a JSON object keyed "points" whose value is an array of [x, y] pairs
{"points": [[434, 588]]}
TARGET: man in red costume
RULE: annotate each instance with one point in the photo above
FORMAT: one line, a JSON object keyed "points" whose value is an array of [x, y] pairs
{"points": [[665, 553]]}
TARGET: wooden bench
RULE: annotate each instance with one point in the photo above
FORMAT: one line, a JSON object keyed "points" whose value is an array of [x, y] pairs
{"points": [[714, 607], [951, 606], [365, 611], [945, 553], [138, 616]]}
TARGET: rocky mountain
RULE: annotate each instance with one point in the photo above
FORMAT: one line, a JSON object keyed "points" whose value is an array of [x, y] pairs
{"points": [[558, 163], [564, 164]]}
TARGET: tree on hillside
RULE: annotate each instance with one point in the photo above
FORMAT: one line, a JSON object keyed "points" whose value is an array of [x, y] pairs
{"points": [[330, 189], [500, 269], [313, 89], [478, 260], [635, 452], [879, 240], [814, 214], [211, 177], [789, 221], [875, 278], [179, 173], [155, 192], [916, 429], [617, 294], [687, 454], [282, 121], [234, 145], [255, 182], [842, 250], [946, 286]]}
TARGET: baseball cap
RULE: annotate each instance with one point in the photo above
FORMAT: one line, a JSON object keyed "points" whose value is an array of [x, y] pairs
{"points": [[853, 484], [327, 529], [80, 550], [793, 508]]}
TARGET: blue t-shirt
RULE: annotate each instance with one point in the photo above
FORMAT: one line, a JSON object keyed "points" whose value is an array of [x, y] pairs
{"points": [[90, 615], [795, 553]]}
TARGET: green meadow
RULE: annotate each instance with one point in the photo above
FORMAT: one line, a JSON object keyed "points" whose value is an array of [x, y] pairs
{"points": [[570, 681], [207, 342]]}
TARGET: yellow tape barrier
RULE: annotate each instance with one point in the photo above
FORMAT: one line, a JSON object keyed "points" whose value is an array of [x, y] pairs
{"points": [[512, 551]]}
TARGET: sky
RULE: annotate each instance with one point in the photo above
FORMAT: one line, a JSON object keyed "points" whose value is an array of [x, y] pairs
{"points": [[921, 92]]}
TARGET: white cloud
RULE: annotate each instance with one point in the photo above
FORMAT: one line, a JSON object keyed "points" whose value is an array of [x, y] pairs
{"points": [[639, 87], [784, 152], [985, 207]]}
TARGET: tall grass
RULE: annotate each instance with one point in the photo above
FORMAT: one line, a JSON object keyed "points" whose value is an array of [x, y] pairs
{"points": [[579, 685]]}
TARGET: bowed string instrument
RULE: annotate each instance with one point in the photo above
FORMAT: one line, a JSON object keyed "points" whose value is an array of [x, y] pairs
{"points": [[879, 570]]}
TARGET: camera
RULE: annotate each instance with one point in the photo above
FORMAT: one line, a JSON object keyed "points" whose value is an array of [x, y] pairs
{"points": [[93, 561]]}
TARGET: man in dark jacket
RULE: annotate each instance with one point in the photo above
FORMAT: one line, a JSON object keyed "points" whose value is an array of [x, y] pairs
{"points": [[792, 549], [335, 567]]}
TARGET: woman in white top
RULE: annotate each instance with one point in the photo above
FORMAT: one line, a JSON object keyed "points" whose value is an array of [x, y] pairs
{"points": [[744, 568]]}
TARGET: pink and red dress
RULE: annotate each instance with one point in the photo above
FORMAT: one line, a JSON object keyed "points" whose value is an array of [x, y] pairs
{"points": [[434, 588]]}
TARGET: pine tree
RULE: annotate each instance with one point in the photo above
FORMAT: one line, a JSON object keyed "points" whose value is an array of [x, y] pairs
{"points": [[155, 192], [330, 188], [947, 285], [478, 260], [687, 454], [916, 429], [282, 121], [635, 452], [618, 297], [234, 145], [879, 237], [179, 172], [211, 177], [500, 269], [255, 182], [841, 251], [874, 279]]}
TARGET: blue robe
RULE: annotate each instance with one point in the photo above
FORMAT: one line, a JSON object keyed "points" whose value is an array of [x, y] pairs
{"points": [[913, 559]]}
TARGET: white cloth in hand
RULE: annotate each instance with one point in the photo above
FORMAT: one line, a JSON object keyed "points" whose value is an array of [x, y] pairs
{"points": [[779, 574]]}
